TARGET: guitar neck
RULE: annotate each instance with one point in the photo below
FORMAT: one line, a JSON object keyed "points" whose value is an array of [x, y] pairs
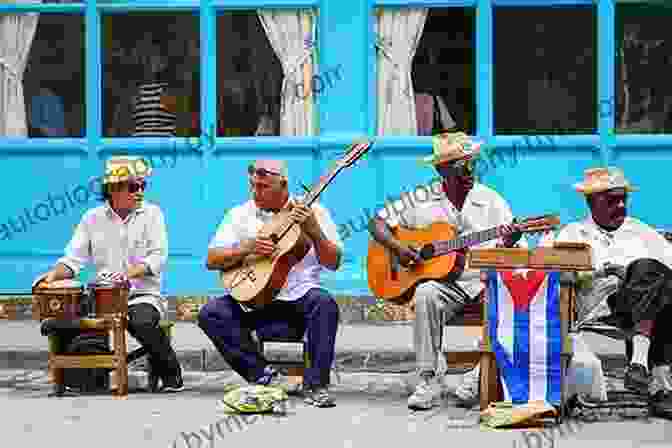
{"points": [[445, 247]]}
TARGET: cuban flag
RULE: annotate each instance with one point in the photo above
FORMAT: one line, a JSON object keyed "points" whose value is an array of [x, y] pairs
{"points": [[525, 332]]}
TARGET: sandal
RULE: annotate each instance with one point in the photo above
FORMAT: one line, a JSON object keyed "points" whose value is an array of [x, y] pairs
{"points": [[319, 397]]}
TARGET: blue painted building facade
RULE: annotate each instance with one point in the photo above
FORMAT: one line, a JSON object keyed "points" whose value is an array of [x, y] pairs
{"points": [[49, 183]]}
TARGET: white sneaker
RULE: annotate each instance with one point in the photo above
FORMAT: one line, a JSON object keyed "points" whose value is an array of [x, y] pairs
{"points": [[467, 391], [427, 394]]}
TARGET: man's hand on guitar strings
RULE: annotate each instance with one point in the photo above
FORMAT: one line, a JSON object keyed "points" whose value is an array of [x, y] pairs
{"points": [[260, 246], [408, 255]]}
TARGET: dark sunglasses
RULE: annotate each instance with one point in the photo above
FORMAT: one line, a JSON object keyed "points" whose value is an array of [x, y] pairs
{"points": [[134, 187], [260, 172], [459, 168]]}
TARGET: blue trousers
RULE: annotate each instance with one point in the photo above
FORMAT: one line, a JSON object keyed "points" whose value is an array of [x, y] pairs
{"points": [[229, 328]]}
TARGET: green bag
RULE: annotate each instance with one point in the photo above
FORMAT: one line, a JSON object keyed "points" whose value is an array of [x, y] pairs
{"points": [[255, 399]]}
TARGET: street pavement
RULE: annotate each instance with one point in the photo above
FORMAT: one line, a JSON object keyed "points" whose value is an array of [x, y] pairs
{"points": [[371, 411], [371, 383]]}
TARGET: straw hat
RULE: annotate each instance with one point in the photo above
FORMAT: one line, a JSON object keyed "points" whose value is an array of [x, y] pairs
{"points": [[451, 146], [124, 168], [602, 179]]}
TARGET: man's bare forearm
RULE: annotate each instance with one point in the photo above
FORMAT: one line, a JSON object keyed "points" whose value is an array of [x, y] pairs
{"points": [[382, 233], [223, 259], [62, 272]]}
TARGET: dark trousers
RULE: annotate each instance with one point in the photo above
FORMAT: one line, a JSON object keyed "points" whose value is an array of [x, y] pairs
{"points": [[143, 325], [229, 328], [644, 300]]}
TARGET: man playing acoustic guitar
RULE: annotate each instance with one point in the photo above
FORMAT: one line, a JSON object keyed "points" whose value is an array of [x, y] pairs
{"points": [[300, 306], [470, 207]]}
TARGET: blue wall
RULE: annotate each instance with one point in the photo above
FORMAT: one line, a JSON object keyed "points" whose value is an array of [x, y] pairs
{"points": [[195, 188]]}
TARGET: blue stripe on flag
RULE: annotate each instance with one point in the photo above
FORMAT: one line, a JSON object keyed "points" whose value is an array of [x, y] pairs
{"points": [[554, 335]]}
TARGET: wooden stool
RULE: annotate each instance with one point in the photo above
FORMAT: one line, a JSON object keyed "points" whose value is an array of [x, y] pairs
{"points": [[58, 360]]}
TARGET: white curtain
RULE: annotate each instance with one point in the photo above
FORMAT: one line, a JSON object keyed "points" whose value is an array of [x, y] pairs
{"points": [[291, 34], [398, 33], [16, 37]]}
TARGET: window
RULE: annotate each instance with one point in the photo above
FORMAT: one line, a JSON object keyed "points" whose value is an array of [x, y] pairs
{"points": [[643, 61], [255, 96], [53, 79], [440, 43], [151, 75], [545, 70]]}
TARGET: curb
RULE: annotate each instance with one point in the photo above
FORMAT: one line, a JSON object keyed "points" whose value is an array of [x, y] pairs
{"points": [[352, 309], [209, 360]]}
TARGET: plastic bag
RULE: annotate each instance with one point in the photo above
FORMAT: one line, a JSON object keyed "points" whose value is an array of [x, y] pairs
{"points": [[255, 399], [585, 375]]}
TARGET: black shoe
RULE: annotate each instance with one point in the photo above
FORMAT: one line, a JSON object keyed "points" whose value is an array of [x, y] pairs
{"points": [[172, 383], [661, 404], [637, 379]]}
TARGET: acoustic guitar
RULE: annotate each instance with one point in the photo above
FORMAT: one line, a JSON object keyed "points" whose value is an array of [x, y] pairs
{"points": [[437, 245], [258, 279]]}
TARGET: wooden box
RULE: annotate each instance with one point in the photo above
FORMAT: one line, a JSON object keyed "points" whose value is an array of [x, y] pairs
{"points": [[59, 303]]}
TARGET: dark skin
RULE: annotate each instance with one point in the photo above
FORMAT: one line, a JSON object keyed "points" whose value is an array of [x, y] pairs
{"points": [[270, 192], [609, 208], [458, 182]]}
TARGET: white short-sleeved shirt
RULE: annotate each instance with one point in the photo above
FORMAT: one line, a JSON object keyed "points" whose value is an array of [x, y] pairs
{"points": [[244, 222], [483, 209], [631, 241]]}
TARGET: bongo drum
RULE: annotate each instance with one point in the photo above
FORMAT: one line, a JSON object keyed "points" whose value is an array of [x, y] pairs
{"points": [[110, 298], [60, 299]]}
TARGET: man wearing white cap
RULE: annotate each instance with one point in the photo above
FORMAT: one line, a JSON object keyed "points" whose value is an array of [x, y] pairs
{"points": [[301, 306], [631, 286], [126, 238], [470, 207]]}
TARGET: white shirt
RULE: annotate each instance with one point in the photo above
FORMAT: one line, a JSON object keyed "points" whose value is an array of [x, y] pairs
{"points": [[244, 222], [111, 244], [483, 209], [632, 240]]}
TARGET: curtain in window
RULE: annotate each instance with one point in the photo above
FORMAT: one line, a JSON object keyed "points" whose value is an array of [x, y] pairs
{"points": [[398, 33], [16, 37], [291, 34]]}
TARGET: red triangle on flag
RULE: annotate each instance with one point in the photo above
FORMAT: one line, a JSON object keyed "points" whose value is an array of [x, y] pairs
{"points": [[523, 288]]}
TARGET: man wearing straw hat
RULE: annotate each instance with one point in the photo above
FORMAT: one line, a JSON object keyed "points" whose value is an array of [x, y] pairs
{"points": [[470, 207], [631, 286], [126, 238]]}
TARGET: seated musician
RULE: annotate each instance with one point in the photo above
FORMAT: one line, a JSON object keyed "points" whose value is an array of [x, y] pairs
{"points": [[631, 286], [302, 306], [470, 207], [127, 236]]}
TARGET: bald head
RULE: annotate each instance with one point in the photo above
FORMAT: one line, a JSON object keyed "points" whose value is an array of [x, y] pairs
{"points": [[268, 182]]}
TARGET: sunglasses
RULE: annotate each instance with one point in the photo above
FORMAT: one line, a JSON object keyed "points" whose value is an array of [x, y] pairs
{"points": [[134, 187], [260, 172], [459, 168]]}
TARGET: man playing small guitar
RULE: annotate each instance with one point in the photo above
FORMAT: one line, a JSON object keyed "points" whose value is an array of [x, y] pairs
{"points": [[300, 306], [469, 207]]}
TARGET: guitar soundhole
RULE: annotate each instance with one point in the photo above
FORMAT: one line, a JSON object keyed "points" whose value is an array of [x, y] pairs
{"points": [[427, 251]]}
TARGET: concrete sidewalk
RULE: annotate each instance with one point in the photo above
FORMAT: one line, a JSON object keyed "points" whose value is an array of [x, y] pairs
{"points": [[360, 347]]}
